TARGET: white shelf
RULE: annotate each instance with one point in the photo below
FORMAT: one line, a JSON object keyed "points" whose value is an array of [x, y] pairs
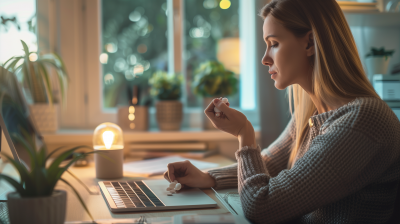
{"points": [[368, 14], [380, 19], [351, 6]]}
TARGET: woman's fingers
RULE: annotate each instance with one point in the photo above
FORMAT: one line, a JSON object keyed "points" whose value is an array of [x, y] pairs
{"points": [[166, 176], [177, 170], [171, 172], [224, 108]]}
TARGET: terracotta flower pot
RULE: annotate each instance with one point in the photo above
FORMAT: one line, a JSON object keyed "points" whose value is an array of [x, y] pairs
{"points": [[169, 115], [37, 210]]}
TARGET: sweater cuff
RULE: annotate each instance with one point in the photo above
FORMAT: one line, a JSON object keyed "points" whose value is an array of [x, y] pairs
{"points": [[250, 161], [225, 177]]}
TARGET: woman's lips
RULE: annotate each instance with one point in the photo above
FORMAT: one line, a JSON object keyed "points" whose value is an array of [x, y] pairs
{"points": [[273, 75]]}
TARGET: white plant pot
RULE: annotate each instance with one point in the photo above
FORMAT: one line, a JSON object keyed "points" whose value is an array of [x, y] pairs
{"points": [[377, 65], [45, 117], [169, 115], [37, 210]]}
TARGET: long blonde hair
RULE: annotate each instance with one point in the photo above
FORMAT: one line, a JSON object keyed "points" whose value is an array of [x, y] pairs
{"points": [[337, 69]]}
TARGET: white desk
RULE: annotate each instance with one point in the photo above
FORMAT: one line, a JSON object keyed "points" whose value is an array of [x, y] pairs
{"points": [[98, 207]]}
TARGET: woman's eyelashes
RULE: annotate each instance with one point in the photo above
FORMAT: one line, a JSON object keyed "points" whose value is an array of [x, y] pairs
{"points": [[273, 45]]}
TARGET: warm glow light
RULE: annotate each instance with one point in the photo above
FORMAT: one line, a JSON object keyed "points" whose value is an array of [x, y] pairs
{"points": [[108, 79], [131, 117], [111, 47], [132, 125], [104, 58], [228, 53], [33, 57], [108, 136], [131, 109], [108, 139], [138, 69], [225, 4]]}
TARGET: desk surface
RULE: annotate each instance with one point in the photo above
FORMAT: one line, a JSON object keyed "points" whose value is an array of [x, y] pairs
{"points": [[98, 207]]}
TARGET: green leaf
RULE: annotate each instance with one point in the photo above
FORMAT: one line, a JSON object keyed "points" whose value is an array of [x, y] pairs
{"points": [[41, 157], [60, 171], [18, 187], [79, 198], [56, 163], [22, 170], [61, 71], [54, 151], [27, 147], [77, 179], [63, 67], [26, 49], [5, 63], [11, 66], [47, 83]]}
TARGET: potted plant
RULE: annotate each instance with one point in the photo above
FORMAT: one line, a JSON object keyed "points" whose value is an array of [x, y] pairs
{"points": [[377, 61], [212, 80], [33, 68], [167, 90], [35, 200]]}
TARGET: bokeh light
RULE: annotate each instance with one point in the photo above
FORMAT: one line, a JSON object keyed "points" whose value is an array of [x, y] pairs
{"points": [[33, 57], [225, 4], [108, 79], [103, 58]]}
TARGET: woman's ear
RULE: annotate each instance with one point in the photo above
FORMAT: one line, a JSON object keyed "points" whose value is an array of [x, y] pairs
{"points": [[310, 49]]}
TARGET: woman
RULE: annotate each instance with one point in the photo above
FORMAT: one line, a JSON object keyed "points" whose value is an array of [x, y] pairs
{"points": [[338, 160]]}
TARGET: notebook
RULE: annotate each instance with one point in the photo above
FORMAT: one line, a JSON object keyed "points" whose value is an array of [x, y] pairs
{"points": [[150, 167]]}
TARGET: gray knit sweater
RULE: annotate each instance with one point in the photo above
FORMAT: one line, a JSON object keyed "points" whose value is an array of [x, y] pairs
{"points": [[347, 171]]}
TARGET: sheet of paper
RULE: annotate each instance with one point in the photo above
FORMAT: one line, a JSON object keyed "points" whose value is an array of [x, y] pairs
{"points": [[158, 166]]}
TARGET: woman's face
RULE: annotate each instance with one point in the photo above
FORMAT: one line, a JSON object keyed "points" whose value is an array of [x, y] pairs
{"points": [[287, 56]]}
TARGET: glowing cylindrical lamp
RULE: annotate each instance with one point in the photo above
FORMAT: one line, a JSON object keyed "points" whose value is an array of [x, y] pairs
{"points": [[108, 141]]}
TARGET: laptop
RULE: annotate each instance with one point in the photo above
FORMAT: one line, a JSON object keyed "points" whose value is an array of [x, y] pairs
{"points": [[151, 195]]}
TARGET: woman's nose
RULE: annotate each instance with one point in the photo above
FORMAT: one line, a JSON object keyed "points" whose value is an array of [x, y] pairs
{"points": [[267, 60]]}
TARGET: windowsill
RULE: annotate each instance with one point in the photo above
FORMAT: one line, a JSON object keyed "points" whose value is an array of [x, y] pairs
{"points": [[69, 136]]}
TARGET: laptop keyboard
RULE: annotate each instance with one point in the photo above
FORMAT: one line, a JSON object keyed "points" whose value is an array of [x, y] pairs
{"points": [[132, 194]]}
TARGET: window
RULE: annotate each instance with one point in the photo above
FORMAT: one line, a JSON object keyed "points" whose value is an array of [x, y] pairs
{"points": [[17, 22], [134, 46], [113, 45], [211, 30]]}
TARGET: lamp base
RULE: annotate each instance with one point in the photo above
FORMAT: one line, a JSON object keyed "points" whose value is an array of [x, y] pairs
{"points": [[109, 163]]}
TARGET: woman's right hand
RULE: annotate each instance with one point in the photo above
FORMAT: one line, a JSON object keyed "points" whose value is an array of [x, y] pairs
{"points": [[188, 175]]}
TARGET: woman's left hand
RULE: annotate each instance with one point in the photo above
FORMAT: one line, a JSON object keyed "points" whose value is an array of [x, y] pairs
{"points": [[230, 120]]}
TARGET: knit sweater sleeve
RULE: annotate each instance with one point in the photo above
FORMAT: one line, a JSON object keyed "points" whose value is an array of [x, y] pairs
{"points": [[275, 157], [335, 166]]}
